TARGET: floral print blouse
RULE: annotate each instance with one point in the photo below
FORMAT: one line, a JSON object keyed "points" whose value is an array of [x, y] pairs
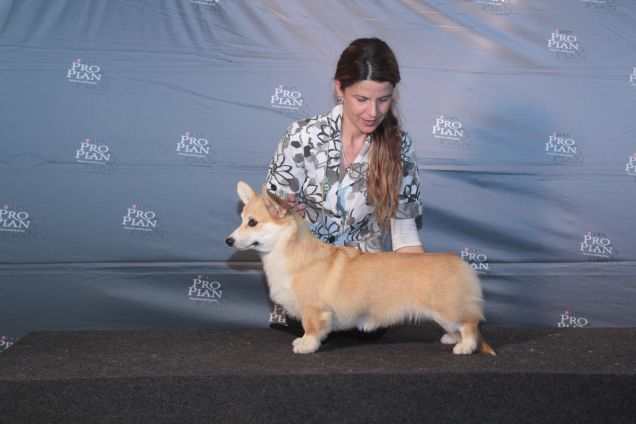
{"points": [[307, 165]]}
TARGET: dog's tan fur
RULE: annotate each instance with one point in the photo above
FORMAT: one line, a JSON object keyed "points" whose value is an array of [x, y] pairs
{"points": [[336, 288]]}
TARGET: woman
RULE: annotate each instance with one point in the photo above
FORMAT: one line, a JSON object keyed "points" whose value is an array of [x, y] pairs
{"points": [[352, 172]]}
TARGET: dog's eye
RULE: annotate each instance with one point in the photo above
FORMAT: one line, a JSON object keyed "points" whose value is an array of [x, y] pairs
{"points": [[252, 222]]}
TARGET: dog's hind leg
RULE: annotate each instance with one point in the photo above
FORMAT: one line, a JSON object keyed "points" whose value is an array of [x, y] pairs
{"points": [[469, 339], [317, 326]]}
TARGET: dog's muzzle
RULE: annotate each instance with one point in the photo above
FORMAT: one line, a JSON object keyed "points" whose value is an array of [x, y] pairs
{"points": [[230, 241]]}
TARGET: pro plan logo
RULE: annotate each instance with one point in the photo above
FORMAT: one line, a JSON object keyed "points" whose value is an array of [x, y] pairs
{"points": [[195, 148], [477, 259], [278, 315], [563, 148], [6, 342], [572, 319], [598, 246], [93, 152], [84, 72], [600, 5], [215, 4], [450, 132], [288, 99], [499, 7], [16, 224], [632, 77], [565, 45], [14, 220], [206, 289], [140, 218], [630, 166]]}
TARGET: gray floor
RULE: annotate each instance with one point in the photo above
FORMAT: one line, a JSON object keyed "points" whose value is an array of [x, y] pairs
{"points": [[538, 375]]}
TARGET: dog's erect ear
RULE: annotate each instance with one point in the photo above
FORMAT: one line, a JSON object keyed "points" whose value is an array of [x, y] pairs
{"points": [[245, 192], [275, 206]]}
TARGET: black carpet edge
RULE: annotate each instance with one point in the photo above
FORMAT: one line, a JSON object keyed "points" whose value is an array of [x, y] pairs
{"points": [[439, 398]]}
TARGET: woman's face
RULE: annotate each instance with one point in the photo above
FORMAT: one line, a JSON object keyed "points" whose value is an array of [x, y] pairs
{"points": [[365, 104]]}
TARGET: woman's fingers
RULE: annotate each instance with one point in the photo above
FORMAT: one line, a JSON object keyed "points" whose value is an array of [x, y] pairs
{"points": [[292, 203]]}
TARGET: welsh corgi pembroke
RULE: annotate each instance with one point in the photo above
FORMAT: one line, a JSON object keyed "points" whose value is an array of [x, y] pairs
{"points": [[332, 288]]}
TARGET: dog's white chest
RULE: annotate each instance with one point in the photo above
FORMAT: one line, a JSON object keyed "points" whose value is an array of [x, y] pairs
{"points": [[279, 282]]}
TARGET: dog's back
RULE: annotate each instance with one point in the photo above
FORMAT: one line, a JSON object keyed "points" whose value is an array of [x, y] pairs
{"points": [[370, 290]]}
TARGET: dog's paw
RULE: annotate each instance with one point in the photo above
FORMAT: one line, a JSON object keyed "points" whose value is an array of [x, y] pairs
{"points": [[451, 338], [306, 344], [464, 348]]}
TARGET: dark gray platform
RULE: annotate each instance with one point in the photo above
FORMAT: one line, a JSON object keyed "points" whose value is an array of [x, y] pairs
{"points": [[539, 375]]}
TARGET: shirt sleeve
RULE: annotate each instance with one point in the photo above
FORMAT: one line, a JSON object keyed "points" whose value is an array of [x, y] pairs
{"points": [[404, 233], [287, 168], [409, 204]]}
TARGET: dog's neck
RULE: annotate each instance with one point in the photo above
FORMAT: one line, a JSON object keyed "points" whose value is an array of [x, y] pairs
{"points": [[295, 240]]}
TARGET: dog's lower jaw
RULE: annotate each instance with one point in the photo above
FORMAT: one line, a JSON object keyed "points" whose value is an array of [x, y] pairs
{"points": [[306, 344]]}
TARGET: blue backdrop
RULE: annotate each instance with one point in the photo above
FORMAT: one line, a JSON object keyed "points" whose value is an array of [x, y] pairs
{"points": [[125, 125]]}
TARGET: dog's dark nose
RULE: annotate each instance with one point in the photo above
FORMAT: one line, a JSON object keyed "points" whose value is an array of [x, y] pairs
{"points": [[229, 241]]}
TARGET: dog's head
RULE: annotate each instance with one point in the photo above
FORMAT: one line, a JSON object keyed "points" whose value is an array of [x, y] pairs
{"points": [[263, 218]]}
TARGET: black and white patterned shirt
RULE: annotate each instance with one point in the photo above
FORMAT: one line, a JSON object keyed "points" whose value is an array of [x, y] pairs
{"points": [[307, 164]]}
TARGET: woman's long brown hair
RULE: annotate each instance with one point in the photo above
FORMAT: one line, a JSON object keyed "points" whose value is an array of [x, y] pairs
{"points": [[372, 59]]}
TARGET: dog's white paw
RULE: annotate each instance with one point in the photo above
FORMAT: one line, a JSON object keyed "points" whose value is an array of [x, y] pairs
{"points": [[451, 338], [306, 344], [465, 348]]}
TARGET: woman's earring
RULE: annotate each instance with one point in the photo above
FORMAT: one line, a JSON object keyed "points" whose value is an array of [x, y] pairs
{"points": [[339, 98]]}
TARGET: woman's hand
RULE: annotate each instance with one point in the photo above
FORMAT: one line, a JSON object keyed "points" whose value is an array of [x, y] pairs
{"points": [[294, 205]]}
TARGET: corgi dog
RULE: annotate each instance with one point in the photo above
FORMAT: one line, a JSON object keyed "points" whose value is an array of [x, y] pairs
{"points": [[330, 288]]}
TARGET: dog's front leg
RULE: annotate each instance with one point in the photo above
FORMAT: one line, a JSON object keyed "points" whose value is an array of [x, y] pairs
{"points": [[317, 326]]}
